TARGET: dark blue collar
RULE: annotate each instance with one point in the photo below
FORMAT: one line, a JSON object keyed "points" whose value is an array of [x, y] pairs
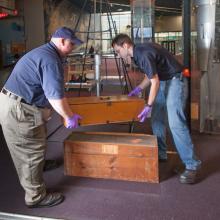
{"points": [[53, 46]]}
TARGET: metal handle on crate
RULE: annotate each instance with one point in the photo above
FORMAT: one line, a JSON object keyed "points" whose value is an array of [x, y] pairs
{"points": [[105, 98]]}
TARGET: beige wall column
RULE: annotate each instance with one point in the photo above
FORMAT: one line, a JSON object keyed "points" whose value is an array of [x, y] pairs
{"points": [[34, 23]]}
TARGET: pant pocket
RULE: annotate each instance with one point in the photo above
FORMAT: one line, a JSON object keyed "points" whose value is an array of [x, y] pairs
{"points": [[30, 122]]}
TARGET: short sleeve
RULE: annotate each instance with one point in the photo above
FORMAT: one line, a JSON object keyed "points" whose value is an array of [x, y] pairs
{"points": [[53, 81]]}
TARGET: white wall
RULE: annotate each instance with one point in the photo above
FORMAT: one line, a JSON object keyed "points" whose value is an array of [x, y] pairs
{"points": [[34, 23], [171, 23]]}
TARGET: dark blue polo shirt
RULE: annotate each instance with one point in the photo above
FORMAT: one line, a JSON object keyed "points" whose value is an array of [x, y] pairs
{"points": [[152, 59], [38, 76]]}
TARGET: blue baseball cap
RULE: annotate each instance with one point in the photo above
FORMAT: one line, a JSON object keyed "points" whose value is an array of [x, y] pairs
{"points": [[67, 33]]}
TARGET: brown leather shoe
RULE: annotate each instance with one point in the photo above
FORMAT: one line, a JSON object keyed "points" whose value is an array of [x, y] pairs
{"points": [[51, 199]]}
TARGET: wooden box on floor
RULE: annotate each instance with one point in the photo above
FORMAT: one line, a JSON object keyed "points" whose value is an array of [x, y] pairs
{"points": [[122, 156], [106, 109]]}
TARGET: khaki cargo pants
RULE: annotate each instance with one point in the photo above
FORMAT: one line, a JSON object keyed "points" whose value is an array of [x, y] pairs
{"points": [[24, 130]]}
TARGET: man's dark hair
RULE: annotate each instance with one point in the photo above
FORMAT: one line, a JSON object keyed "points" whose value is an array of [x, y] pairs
{"points": [[120, 39]]}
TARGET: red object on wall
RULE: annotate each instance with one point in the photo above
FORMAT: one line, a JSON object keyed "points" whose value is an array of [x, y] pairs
{"points": [[5, 12], [3, 15], [186, 72], [15, 12]]}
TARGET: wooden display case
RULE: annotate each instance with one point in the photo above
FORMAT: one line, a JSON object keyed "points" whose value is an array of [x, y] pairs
{"points": [[80, 68]]}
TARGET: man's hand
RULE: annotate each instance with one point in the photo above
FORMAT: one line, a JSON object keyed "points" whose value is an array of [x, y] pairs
{"points": [[143, 115], [72, 122], [135, 92]]}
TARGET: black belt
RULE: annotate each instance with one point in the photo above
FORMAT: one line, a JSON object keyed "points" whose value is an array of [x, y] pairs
{"points": [[13, 96]]}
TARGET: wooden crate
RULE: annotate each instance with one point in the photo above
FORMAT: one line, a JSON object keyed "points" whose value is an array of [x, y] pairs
{"points": [[122, 156], [106, 109]]}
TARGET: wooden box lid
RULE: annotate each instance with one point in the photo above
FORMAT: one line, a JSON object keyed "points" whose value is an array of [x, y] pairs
{"points": [[112, 143], [102, 99]]}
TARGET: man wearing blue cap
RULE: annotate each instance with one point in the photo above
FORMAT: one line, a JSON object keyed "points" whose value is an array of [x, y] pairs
{"points": [[34, 86]]}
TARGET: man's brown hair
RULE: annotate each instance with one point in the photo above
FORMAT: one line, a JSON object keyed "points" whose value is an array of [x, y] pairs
{"points": [[120, 39]]}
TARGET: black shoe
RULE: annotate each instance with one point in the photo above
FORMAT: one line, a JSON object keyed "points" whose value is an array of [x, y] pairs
{"points": [[51, 199], [188, 176], [50, 165]]}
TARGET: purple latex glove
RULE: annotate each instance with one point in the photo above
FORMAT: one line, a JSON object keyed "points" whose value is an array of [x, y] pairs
{"points": [[143, 115], [72, 122], [135, 92]]}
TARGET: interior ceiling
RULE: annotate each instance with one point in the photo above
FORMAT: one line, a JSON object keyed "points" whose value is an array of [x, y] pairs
{"points": [[162, 7]]}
